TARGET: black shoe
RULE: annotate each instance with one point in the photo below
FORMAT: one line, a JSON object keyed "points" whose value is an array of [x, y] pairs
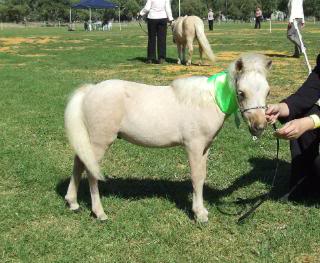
{"points": [[296, 55], [161, 61]]}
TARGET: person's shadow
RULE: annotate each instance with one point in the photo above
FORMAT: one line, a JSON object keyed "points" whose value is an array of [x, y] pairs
{"points": [[179, 192], [144, 60]]}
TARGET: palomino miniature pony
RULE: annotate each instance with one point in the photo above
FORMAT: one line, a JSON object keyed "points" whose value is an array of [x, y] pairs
{"points": [[185, 30], [190, 112]]}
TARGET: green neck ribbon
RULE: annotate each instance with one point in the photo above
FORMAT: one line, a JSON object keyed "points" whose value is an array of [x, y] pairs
{"points": [[224, 93]]}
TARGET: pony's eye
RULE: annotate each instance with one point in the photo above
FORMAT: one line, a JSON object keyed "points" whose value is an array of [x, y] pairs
{"points": [[268, 93], [241, 95]]}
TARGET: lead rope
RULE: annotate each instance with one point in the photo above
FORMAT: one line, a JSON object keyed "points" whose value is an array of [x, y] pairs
{"points": [[267, 195]]}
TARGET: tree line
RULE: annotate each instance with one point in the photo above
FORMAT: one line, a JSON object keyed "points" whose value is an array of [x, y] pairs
{"points": [[58, 10]]}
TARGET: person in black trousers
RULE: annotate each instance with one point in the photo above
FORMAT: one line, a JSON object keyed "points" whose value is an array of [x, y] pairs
{"points": [[159, 13], [301, 114]]}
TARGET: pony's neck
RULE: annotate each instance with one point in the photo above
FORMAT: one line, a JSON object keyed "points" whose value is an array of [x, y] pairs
{"points": [[224, 92]]}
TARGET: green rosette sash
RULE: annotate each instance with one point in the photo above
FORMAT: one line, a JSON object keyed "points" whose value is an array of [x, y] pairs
{"points": [[224, 93]]}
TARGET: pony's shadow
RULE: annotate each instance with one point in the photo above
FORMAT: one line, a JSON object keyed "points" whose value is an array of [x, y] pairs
{"points": [[179, 192], [144, 60], [275, 55]]}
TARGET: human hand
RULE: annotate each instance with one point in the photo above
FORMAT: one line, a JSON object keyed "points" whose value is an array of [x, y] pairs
{"points": [[272, 113], [302, 25], [294, 129], [290, 25]]}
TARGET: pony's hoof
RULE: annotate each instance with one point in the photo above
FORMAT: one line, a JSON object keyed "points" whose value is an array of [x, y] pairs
{"points": [[179, 62], [188, 63], [202, 216], [101, 217], [74, 207]]}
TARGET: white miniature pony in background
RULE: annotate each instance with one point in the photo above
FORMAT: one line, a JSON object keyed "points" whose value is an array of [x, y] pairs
{"points": [[183, 113], [185, 30]]}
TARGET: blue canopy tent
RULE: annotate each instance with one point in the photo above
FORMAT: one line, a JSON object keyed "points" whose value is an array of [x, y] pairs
{"points": [[96, 4]]}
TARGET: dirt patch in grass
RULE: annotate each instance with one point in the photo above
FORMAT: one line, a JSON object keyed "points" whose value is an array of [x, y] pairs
{"points": [[64, 48], [74, 41], [11, 41], [4, 49], [34, 55], [193, 70], [228, 55]]}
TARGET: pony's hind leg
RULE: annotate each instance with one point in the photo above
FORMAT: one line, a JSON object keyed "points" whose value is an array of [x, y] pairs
{"points": [[180, 59], [71, 196], [190, 50], [201, 54], [99, 146]]}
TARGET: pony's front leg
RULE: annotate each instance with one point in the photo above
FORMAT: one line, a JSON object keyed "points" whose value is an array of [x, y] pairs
{"points": [[198, 164]]}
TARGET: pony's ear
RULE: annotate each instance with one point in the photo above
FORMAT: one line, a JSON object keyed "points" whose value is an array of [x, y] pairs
{"points": [[269, 64], [239, 65]]}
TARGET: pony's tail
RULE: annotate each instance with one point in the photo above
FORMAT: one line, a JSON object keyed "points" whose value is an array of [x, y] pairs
{"points": [[77, 132], [203, 41]]}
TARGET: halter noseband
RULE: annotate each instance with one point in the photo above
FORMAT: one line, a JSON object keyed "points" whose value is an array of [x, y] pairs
{"points": [[252, 108]]}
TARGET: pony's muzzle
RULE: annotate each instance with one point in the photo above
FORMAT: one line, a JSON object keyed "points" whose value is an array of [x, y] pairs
{"points": [[257, 129], [257, 123]]}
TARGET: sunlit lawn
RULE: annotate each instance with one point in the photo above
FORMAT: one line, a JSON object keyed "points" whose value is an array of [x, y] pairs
{"points": [[147, 193]]}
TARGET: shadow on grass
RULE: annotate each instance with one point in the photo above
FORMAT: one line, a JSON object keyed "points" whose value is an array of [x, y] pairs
{"points": [[275, 55], [144, 60], [179, 192]]}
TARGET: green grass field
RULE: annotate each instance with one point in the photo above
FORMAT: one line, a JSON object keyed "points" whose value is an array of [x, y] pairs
{"points": [[147, 195]]}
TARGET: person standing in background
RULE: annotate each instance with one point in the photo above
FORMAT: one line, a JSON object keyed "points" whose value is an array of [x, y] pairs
{"points": [[210, 19], [258, 17], [295, 9], [159, 13]]}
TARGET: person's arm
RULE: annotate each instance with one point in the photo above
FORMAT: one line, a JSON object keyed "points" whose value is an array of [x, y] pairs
{"points": [[168, 10], [305, 97], [146, 8]]}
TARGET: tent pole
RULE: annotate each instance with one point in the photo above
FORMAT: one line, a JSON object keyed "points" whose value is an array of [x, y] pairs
{"points": [[119, 18], [70, 17], [179, 8]]}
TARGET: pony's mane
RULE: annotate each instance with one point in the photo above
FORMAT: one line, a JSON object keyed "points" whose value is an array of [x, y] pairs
{"points": [[196, 90], [192, 90]]}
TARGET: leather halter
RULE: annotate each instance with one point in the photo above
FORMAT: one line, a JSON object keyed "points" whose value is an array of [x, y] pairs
{"points": [[252, 108]]}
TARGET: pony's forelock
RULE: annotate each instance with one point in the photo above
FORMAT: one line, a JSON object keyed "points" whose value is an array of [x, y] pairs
{"points": [[250, 62]]}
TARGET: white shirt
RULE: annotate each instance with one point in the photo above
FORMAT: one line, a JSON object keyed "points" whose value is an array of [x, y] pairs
{"points": [[157, 9], [210, 15], [295, 8]]}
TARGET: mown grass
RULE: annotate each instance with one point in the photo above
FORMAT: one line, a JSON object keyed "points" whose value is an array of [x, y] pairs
{"points": [[147, 195]]}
